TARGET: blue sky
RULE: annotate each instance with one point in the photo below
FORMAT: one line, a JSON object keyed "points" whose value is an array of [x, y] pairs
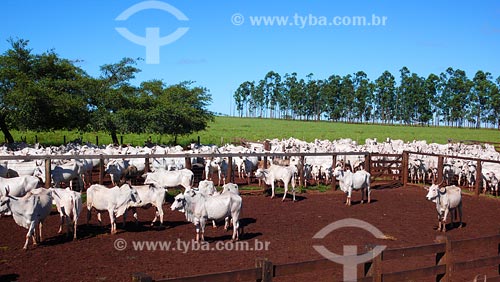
{"points": [[425, 36]]}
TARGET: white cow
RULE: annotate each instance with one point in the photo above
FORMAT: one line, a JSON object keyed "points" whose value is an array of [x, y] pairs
{"points": [[114, 200], [150, 196], [276, 172], [207, 187], [360, 180], [18, 186], [447, 199], [28, 211], [67, 172], [165, 178], [69, 206], [199, 209], [115, 169]]}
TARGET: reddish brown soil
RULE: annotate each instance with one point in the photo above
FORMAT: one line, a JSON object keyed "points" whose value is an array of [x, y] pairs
{"points": [[402, 214]]}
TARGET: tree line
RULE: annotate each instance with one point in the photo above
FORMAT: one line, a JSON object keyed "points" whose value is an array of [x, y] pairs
{"points": [[450, 99], [44, 92]]}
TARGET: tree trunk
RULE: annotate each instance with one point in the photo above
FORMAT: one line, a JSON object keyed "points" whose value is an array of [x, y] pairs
{"points": [[114, 137], [5, 130]]}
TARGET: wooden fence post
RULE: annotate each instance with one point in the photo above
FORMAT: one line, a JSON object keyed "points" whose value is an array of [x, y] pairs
{"points": [[440, 169], [441, 258], [405, 167], [101, 169], [229, 176], [301, 171], [334, 165], [449, 261], [187, 163], [146, 164], [373, 268], [48, 173], [141, 277], [266, 269], [479, 178]]}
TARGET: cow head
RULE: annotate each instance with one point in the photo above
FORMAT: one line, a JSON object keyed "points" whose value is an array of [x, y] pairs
{"points": [[179, 203], [338, 172], [261, 173], [433, 192]]}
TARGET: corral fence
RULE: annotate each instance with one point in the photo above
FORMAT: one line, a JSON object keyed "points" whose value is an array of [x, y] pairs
{"points": [[445, 261], [390, 169]]}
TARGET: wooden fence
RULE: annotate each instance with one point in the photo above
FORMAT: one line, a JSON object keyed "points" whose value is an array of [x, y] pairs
{"points": [[444, 266]]}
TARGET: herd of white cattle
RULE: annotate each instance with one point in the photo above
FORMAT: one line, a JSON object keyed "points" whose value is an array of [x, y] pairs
{"points": [[30, 205]]}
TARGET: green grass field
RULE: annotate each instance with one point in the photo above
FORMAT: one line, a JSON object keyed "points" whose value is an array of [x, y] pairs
{"points": [[231, 130]]}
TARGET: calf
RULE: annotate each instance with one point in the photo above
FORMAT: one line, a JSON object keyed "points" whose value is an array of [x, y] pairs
{"points": [[150, 196], [28, 211], [114, 200], [348, 181], [276, 172], [199, 208], [447, 199], [165, 179], [69, 206]]}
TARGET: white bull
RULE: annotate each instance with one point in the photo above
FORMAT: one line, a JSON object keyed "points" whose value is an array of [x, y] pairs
{"points": [[447, 199], [114, 200], [165, 179], [360, 180], [28, 211], [199, 208], [69, 206], [276, 172]]}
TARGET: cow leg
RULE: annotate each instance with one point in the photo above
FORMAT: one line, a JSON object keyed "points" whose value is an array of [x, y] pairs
{"points": [[99, 218], [214, 225], [272, 190], [89, 215], [236, 227], [61, 223], [286, 190], [226, 223], [75, 224], [112, 220]]}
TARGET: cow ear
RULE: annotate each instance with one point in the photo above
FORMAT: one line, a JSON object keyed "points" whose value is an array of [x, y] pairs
{"points": [[426, 188]]}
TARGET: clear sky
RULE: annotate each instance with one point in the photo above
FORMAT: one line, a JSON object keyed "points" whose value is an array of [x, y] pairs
{"points": [[224, 45]]}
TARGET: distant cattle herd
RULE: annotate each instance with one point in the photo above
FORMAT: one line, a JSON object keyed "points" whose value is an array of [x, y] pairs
{"points": [[22, 197]]}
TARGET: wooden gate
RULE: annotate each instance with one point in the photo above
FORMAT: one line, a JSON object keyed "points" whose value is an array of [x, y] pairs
{"points": [[387, 168]]}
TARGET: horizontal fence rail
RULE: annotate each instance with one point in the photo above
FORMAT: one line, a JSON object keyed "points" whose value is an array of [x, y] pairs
{"points": [[442, 268]]}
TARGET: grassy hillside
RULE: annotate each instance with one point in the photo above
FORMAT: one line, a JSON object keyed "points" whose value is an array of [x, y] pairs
{"points": [[230, 129]]}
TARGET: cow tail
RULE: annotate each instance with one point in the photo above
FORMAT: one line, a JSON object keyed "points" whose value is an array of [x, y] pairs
{"points": [[191, 183]]}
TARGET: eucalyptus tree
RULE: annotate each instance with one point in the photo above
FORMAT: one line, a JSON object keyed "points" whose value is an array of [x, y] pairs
{"points": [[432, 92], [347, 97], [362, 96], [272, 91], [454, 102], [494, 113], [331, 91], [480, 96], [385, 97], [242, 96]]}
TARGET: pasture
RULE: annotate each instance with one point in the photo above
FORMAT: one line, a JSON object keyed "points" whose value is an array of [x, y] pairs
{"points": [[404, 216], [232, 129]]}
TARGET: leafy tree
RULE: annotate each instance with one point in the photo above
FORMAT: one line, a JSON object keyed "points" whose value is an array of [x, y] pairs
{"points": [[109, 102], [40, 91], [242, 96], [181, 109], [331, 91], [385, 96], [480, 96], [362, 96]]}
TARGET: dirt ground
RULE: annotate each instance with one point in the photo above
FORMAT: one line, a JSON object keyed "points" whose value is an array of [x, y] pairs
{"points": [[287, 228]]}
